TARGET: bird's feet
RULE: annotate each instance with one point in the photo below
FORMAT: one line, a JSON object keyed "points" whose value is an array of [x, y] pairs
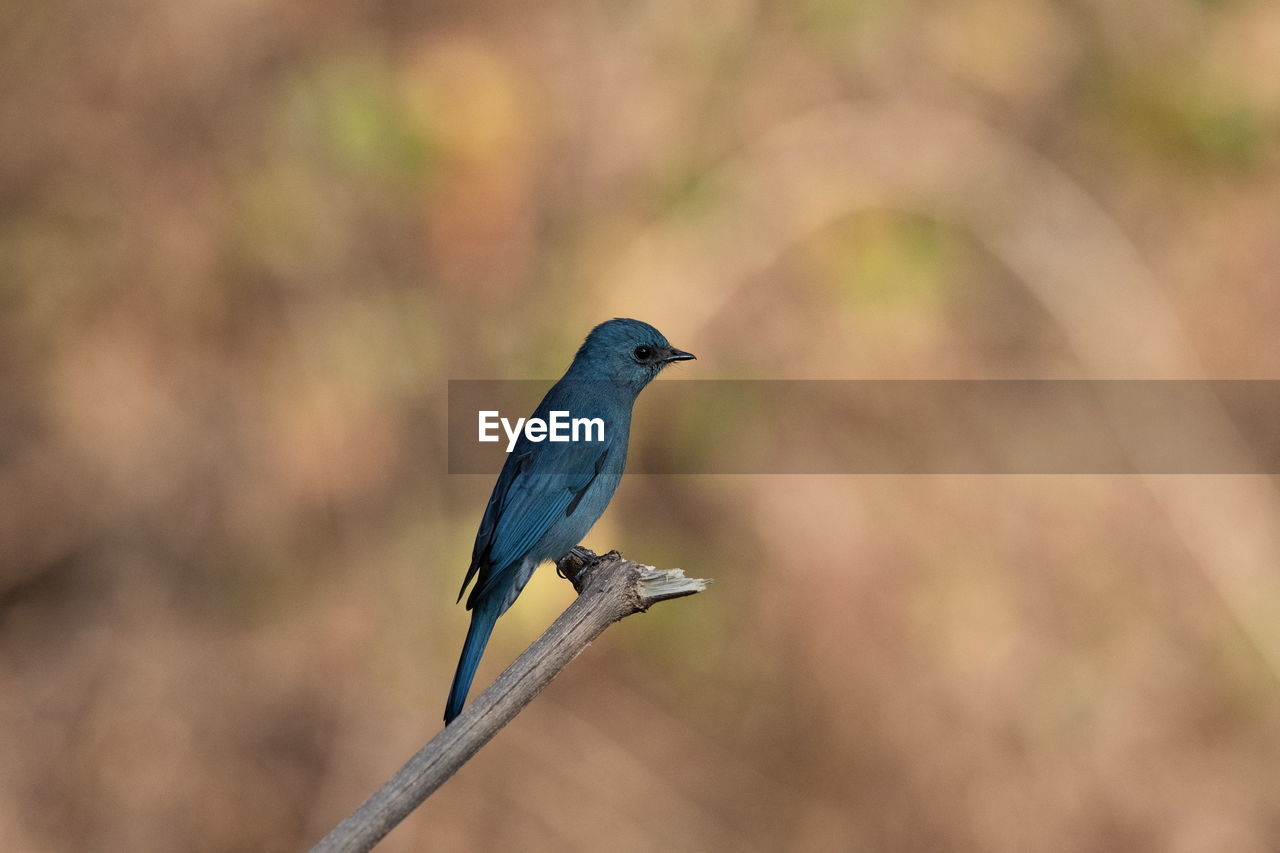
{"points": [[578, 564], [570, 566]]}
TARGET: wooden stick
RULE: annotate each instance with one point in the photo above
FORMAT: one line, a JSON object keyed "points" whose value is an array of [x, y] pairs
{"points": [[609, 589]]}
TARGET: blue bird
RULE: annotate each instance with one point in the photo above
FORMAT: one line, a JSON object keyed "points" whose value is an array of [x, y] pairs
{"points": [[549, 494]]}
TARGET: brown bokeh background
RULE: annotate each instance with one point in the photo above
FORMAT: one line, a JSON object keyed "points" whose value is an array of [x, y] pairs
{"points": [[245, 244]]}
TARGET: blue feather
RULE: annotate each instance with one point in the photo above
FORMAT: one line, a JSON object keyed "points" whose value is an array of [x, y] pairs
{"points": [[550, 494], [483, 619]]}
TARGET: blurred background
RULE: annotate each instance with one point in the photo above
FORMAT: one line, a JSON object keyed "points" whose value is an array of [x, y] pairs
{"points": [[244, 245]]}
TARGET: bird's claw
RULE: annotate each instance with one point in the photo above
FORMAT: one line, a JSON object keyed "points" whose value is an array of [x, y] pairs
{"points": [[572, 564]]}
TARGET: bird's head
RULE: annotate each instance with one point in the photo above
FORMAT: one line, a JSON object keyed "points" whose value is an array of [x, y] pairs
{"points": [[625, 352]]}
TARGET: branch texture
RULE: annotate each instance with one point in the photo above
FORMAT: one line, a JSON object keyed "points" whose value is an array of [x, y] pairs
{"points": [[609, 589]]}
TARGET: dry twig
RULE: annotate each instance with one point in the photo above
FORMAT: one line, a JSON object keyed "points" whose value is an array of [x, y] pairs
{"points": [[609, 589]]}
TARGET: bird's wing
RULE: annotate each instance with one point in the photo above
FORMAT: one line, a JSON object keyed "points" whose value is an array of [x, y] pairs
{"points": [[539, 484]]}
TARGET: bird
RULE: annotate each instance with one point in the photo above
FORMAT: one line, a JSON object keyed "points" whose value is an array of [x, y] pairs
{"points": [[549, 494]]}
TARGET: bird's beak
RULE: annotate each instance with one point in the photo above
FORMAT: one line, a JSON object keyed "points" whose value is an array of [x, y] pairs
{"points": [[674, 354]]}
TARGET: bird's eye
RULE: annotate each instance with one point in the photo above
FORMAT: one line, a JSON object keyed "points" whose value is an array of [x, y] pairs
{"points": [[642, 353]]}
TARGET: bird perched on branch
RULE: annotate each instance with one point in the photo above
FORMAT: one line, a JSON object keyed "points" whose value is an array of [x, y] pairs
{"points": [[549, 494]]}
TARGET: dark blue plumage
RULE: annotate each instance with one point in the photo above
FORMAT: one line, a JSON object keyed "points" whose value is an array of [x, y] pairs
{"points": [[549, 494]]}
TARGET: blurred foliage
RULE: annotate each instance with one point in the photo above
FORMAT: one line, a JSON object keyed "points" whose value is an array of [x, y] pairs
{"points": [[244, 245]]}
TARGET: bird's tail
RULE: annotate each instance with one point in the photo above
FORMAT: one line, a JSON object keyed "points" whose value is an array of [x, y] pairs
{"points": [[483, 617]]}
